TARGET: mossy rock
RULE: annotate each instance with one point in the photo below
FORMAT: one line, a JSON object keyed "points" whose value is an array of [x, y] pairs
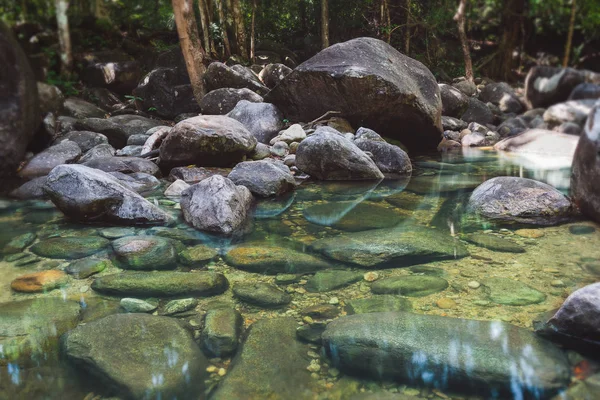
{"points": [[266, 259], [411, 286], [69, 247]]}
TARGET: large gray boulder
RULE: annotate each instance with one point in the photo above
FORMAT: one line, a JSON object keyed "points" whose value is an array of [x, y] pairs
{"points": [[167, 92], [502, 95], [42, 163], [263, 120], [514, 200], [490, 358], [328, 155], [219, 75], [578, 319], [454, 102], [263, 178], [89, 195], [372, 85], [546, 86], [221, 101], [390, 159], [19, 110], [138, 356], [391, 247], [79, 108], [208, 141], [216, 205], [478, 111], [586, 168], [271, 364]]}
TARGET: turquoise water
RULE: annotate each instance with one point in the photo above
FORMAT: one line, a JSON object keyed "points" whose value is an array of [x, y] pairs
{"points": [[552, 261]]}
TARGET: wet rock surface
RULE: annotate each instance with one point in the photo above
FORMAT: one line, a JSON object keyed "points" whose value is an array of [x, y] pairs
{"points": [[391, 346], [112, 349]]}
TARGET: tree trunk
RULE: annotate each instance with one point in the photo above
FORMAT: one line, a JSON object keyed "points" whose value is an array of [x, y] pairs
{"points": [[191, 47], [240, 29], [253, 31], [459, 17], [325, 23], [570, 35], [64, 36], [407, 29], [223, 23], [203, 9], [502, 67]]}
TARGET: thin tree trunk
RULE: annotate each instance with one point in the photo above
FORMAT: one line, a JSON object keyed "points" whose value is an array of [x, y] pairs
{"points": [[502, 67], [407, 29], [388, 20], [253, 31], [570, 35], [240, 29], [223, 23], [459, 17], [223, 26], [191, 47], [325, 23], [64, 36], [204, 23], [23, 10]]}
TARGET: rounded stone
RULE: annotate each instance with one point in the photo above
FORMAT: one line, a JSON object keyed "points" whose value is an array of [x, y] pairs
{"points": [[39, 281], [446, 303], [410, 286], [69, 247], [145, 252]]}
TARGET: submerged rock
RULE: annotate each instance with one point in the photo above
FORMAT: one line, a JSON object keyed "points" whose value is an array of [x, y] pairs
{"points": [[261, 294], [372, 85], [161, 284], [69, 247], [511, 292], [380, 303], [88, 195], [393, 247], [494, 243], [216, 205], [271, 364], [472, 357], [519, 200], [269, 259], [86, 267], [352, 217], [314, 156], [410, 286], [324, 281], [221, 333], [145, 253], [113, 348], [36, 282], [29, 329]]}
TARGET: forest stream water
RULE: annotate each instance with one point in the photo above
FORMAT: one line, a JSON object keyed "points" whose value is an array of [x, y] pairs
{"points": [[513, 274]]}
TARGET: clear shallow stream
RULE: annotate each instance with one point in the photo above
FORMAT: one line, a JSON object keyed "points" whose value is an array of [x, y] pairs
{"points": [[554, 261]]}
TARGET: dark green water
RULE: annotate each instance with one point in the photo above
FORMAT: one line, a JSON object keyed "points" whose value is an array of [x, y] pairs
{"points": [[552, 262]]}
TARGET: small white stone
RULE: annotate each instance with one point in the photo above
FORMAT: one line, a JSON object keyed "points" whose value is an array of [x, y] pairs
{"points": [[334, 301], [473, 284]]}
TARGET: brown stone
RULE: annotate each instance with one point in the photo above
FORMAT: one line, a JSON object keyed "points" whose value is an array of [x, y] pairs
{"points": [[321, 311], [39, 281], [529, 233], [445, 303]]}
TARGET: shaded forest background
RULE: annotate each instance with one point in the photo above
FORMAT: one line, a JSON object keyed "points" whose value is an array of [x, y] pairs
{"points": [[505, 37]]}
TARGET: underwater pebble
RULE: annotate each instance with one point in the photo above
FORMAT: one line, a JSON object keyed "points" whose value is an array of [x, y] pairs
{"points": [[371, 276], [334, 301], [473, 284], [446, 303], [222, 372], [557, 283]]}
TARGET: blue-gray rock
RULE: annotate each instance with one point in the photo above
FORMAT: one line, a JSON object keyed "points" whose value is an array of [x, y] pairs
{"points": [[263, 120], [119, 128], [216, 205], [586, 168], [78, 108], [42, 163], [89, 195], [454, 102], [326, 155], [575, 111], [487, 357], [219, 75], [86, 140], [390, 159], [478, 112], [126, 165], [264, 178], [502, 95], [585, 91], [100, 151]]}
